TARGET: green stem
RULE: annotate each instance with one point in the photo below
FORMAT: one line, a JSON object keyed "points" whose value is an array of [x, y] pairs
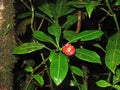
{"points": [[114, 15], [36, 68], [76, 81], [109, 7], [109, 76], [116, 22], [33, 15]]}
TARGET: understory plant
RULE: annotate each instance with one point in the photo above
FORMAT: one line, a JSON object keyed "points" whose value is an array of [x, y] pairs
{"points": [[59, 40]]}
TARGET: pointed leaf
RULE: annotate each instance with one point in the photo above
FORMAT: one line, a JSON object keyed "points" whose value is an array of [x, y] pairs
{"points": [[28, 48], [87, 35], [77, 71], [42, 36], [117, 87], [52, 54], [44, 7], [90, 6], [116, 77], [31, 86], [71, 19], [78, 4], [59, 68], [62, 8], [55, 30], [112, 58], [24, 15], [59, 7], [39, 79], [103, 83], [87, 55], [28, 69], [68, 35]]}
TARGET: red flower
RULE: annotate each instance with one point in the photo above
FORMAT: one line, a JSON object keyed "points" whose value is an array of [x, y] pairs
{"points": [[68, 50]]}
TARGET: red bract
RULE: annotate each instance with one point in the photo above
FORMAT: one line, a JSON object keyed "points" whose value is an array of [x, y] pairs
{"points": [[68, 50]]}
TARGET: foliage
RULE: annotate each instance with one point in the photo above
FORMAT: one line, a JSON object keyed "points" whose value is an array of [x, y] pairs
{"points": [[59, 32]]}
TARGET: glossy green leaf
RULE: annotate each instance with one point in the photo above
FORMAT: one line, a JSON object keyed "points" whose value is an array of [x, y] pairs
{"points": [[52, 54], [86, 35], [90, 6], [117, 87], [103, 83], [28, 69], [45, 8], [68, 35], [28, 48], [88, 55], [71, 19], [41, 36], [55, 30], [77, 71], [39, 79], [112, 57], [59, 68]]}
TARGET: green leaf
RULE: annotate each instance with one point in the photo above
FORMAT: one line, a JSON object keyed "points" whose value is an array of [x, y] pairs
{"points": [[59, 68], [28, 48], [55, 30], [116, 87], [77, 71], [37, 14], [24, 15], [99, 46], [28, 69], [116, 77], [86, 35], [59, 7], [117, 2], [62, 8], [45, 8], [88, 55], [78, 4], [103, 83], [90, 6], [39, 79], [71, 19], [112, 57], [41, 36], [52, 54], [31, 86], [68, 35]]}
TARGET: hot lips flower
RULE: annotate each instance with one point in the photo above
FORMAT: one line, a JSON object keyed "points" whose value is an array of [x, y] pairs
{"points": [[68, 50]]}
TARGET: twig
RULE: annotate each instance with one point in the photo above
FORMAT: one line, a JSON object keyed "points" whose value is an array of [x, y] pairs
{"points": [[79, 14], [41, 23]]}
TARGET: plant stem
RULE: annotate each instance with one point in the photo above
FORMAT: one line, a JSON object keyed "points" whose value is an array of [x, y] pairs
{"points": [[47, 71], [114, 15], [33, 15], [76, 81], [37, 67]]}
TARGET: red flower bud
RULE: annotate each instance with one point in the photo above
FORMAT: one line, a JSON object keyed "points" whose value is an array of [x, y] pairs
{"points": [[68, 50]]}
